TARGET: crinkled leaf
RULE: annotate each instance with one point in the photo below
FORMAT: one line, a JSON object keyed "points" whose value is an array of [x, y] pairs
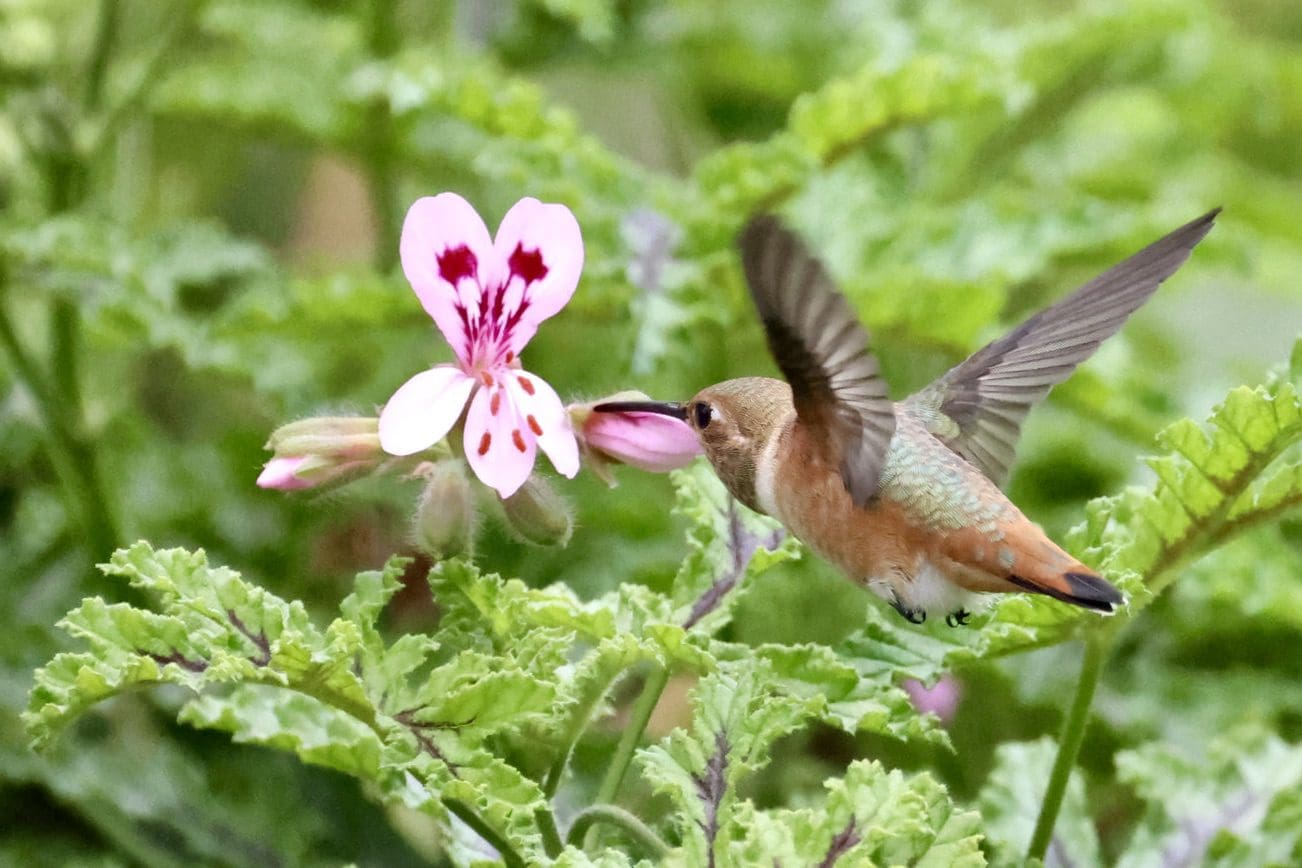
{"points": [[317, 733], [870, 817], [1235, 805], [737, 713], [853, 692]]}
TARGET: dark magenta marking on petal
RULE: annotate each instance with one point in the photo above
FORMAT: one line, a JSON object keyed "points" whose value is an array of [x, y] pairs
{"points": [[485, 442], [495, 403], [456, 263], [518, 439], [528, 264]]}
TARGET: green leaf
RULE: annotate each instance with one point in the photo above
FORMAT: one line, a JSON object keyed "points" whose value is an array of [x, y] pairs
{"points": [[213, 628], [737, 713], [394, 716], [293, 722], [1236, 803], [852, 690], [728, 545], [1011, 798], [243, 75], [869, 817]]}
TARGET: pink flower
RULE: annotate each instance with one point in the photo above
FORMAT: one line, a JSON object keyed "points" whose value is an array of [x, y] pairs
{"points": [[645, 439], [487, 297]]}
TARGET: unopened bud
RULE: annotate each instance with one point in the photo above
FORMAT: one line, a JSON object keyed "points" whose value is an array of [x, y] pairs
{"points": [[538, 514], [322, 450], [445, 514], [648, 441]]}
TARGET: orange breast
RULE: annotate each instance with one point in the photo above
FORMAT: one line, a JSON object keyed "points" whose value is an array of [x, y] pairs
{"points": [[888, 539]]}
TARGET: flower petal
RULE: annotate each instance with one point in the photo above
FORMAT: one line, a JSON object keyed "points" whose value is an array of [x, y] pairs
{"points": [[497, 446], [541, 247], [423, 410], [447, 257], [545, 419], [649, 441], [280, 473]]}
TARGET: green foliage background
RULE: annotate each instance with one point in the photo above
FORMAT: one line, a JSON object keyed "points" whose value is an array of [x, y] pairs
{"points": [[199, 204]]}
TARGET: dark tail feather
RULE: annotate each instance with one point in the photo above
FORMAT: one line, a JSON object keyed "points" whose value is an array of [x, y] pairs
{"points": [[1081, 589]]}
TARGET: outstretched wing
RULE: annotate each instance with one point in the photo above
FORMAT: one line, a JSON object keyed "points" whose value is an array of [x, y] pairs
{"points": [[822, 350], [977, 407]]}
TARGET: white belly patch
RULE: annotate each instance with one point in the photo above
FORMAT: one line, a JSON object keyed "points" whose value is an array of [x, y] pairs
{"points": [[928, 590]]}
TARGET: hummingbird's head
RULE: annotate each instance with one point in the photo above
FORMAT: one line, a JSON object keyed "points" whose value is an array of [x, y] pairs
{"points": [[734, 421]]}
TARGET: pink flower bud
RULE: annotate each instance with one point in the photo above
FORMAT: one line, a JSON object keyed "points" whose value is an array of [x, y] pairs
{"points": [[648, 441], [317, 451], [280, 474]]}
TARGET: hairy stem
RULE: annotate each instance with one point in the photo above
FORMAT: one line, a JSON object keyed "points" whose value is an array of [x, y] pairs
{"points": [[612, 815], [628, 742], [1097, 648]]}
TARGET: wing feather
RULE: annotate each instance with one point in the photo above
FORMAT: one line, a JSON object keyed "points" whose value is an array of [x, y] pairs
{"points": [[977, 408], [822, 350]]}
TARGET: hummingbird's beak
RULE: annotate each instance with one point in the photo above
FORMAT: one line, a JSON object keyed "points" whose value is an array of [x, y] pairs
{"points": [[664, 408]]}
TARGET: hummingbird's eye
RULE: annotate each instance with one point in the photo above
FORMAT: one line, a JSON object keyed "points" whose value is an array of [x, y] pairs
{"points": [[702, 413]]}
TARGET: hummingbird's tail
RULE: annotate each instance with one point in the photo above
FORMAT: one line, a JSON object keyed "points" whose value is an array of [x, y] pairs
{"points": [[1074, 586]]}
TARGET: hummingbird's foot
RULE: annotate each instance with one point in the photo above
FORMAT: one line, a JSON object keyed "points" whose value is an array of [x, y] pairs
{"points": [[958, 618], [913, 616]]}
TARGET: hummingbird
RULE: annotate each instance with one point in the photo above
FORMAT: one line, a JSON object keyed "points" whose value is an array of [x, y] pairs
{"points": [[904, 497]]}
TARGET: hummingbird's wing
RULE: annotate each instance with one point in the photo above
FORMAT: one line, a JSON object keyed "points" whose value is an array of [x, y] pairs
{"points": [[822, 349], [977, 407]]}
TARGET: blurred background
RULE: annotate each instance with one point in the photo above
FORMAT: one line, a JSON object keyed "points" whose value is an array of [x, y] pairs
{"points": [[199, 209]]}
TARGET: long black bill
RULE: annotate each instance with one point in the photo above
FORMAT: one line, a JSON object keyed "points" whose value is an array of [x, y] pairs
{"points": [[664, 408]]}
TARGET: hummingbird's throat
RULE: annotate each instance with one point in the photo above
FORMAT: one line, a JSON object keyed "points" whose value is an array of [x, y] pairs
{"points": [[663, 408]]}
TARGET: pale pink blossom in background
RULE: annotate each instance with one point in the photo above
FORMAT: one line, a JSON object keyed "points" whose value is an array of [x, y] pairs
{"points": [[941, 699], [487, 297]]}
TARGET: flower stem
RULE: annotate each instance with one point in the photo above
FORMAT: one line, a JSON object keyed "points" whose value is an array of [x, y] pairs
{"points": [[546, 821], [99, 57], [579, 720], [73, 461], [378, 138], [467, 815], [646, 703], [612, 815], [1097, 648]]}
